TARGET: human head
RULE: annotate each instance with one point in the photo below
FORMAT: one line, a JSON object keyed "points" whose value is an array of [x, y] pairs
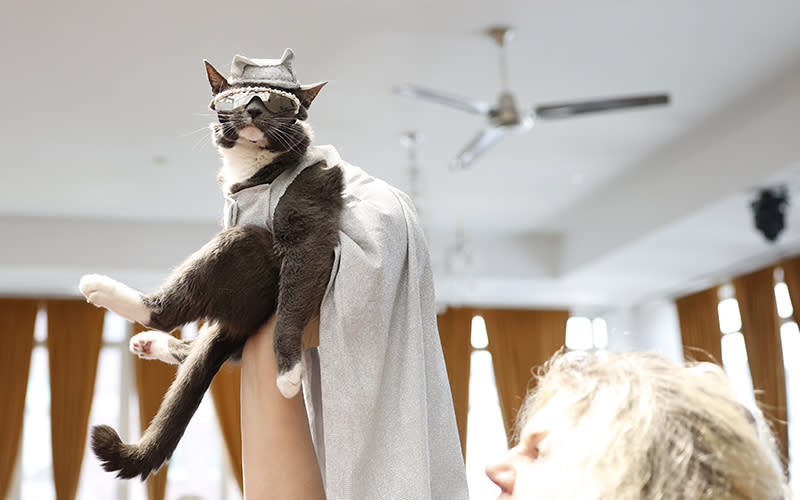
{"points": [[636, 426]]}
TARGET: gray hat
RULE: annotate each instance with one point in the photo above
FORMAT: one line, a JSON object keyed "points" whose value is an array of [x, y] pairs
{"points": [[271, 72]]}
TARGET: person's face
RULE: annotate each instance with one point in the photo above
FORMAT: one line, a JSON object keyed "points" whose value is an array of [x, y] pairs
{"points": [[516, 472]]}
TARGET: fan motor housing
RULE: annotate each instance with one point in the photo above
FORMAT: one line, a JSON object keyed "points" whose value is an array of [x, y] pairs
{"points": [[506, 113]]}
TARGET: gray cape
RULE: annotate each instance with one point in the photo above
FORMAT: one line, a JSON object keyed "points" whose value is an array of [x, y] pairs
{"points": [[376, 388]]}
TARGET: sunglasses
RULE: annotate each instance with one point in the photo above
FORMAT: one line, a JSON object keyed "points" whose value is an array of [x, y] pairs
{"points": [[276, 101]]}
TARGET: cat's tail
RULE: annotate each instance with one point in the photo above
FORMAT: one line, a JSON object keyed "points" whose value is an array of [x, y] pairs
{"points": [[209, 352]]}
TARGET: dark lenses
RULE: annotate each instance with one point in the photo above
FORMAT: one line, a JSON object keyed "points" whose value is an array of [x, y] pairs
{"points": [[275, 101], [279, 104]]}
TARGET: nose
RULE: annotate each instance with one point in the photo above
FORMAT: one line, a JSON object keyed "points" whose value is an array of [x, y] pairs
{"points": [[255, 108], [253, 111], [502, 474]]}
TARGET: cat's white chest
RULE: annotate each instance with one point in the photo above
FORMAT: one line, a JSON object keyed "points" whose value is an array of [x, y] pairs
{"points": [[241, 162], [245, 158]]}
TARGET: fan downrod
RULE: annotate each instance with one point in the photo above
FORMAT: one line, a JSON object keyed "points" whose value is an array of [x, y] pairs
{"points": [[501, 34]]}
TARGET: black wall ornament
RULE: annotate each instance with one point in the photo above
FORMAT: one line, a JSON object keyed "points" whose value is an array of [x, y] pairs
{"points": [[769, 211]]}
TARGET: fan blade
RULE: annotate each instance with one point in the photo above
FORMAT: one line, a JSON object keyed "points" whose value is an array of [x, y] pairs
{"points": [[485, 139], [454, 101], [568, 109]]}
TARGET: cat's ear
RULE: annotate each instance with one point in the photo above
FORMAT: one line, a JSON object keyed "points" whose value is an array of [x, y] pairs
{"points": [[307, 93], [215, 78]]}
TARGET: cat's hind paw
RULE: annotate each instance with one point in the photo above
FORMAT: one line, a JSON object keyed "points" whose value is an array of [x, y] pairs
{"points": [[103, 291], [152, 345], [290, 381]]}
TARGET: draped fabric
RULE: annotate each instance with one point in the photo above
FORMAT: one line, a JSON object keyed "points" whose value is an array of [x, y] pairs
{"points": [[520, 341], [153, 378], [455, 327], [761, 329], [74, 337], [17, 317], [699, 323], [385, 357], [225, 391]]}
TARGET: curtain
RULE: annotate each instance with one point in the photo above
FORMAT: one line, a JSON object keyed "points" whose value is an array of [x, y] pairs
{"points": [[699, 323], [153, 378], [74, 337], [17, 318], [225, 391], [520, 341], [755, 293], [455, 327]]}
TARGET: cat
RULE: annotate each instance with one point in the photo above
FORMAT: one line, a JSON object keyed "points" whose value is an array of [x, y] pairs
{"points": [[246, 273]]}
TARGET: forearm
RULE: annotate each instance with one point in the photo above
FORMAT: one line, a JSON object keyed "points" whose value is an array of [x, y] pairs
{"points": [[278, 456]]}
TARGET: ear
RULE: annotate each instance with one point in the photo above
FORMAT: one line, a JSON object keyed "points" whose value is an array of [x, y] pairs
{"points": [[215, 78], [306, 94]]}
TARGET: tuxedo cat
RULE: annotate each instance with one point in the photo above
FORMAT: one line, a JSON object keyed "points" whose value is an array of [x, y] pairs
{"points": [[246, 273]]}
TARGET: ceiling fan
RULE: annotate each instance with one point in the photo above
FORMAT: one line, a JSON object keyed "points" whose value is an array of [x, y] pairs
{"points": [[505, 117]]}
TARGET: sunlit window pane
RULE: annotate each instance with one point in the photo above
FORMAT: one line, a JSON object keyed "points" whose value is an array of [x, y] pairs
{"points": [[115, 328], [40, 327], [600, 333], [137, 490], [729, 319], [790, 338], [579, 334], [189, 331], [197, 467], [486, 440], [734, 360], [478, 336], [783, 301], [94, 481], [233, 491], [726, 291], [37, 464]]}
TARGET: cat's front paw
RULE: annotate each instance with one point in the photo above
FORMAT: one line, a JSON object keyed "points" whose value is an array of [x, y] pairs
{"points": [[97, 289], [152, 345], [103, 291], [289, 382]]}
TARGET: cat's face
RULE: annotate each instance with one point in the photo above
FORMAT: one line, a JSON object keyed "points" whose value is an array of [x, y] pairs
{"points": [[250, 113]]}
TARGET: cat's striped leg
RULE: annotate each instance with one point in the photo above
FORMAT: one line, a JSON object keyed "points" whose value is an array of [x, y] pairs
{"points": [[160, 346], [103, 291], [158, 441]]}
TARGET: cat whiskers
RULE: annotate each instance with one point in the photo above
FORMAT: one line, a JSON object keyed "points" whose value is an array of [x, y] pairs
{"points": [[276, 131], [193, 132], [282, 140], [279, 135], [206, 137]]}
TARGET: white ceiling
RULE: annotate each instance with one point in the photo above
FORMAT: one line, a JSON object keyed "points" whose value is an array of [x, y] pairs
{"points": [[107, 164]]}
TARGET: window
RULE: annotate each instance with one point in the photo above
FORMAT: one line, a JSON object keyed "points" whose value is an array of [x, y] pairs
{"points": [[584, 334], [790, 343], [486, 439], [734, 351], [199, 466], [735, 363]]}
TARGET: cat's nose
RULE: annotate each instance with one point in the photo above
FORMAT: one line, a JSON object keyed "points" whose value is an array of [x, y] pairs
{"points": [[255, 108]]}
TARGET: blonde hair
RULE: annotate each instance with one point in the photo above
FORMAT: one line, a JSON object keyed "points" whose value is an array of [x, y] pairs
{"points": [[640, 427]]}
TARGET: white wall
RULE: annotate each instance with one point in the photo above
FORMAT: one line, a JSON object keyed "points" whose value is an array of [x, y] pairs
{"points": [[651, 326]]}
